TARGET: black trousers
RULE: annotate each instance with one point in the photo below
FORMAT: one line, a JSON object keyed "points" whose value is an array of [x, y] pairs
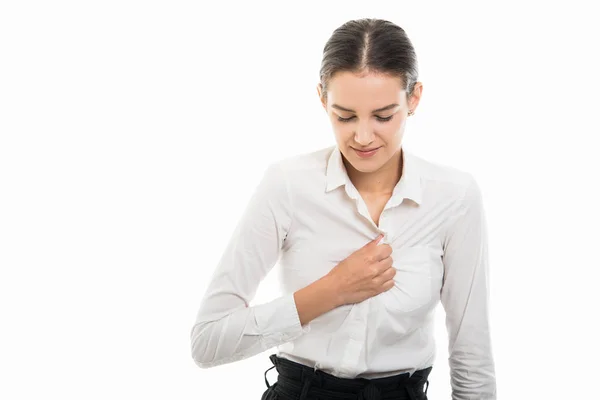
{"points": [[300, 382]]}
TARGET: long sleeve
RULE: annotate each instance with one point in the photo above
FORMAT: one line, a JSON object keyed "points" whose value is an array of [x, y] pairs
{"points": [[227, 329], [465, 299]]}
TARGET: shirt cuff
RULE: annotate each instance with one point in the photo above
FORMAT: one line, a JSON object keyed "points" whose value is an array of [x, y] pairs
{"points": [[279, 319]]}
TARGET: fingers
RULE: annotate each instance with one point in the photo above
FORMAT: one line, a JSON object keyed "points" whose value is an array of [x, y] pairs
{"points": [[381, 252], [389, 273], [374, 241], [384, 251], [384, 264], [388, 285], [385, 280]]}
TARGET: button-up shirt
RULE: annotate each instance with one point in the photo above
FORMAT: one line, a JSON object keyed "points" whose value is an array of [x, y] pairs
{"points": [[306, 216]]}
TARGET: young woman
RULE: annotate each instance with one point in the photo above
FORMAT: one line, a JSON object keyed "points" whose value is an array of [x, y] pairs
{"points": [[369, 238]]}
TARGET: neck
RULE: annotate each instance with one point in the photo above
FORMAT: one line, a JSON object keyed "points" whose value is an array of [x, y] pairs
{"points": [[382, 181]]}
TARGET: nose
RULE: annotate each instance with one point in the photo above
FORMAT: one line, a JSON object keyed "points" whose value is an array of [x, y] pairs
{"points": [[364, 136]]}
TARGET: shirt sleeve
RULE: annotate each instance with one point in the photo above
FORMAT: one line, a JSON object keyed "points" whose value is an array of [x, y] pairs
{"points": [[227, 329], [465, 299]]}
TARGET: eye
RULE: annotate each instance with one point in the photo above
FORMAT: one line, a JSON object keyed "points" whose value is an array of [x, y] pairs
{"points": [[386, 119], [381, 119]]}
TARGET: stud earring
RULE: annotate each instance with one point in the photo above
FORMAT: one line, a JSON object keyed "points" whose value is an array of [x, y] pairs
{"points": [[411, 112]]}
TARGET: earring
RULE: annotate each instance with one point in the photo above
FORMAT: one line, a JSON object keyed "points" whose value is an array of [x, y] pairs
{"points": [[411, 112]]}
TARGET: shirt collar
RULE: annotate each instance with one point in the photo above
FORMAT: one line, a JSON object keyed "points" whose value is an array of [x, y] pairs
{"points": [[409, 185]]}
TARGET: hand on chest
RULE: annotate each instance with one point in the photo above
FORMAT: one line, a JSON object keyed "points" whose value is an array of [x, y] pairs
{"points": [[323, 243]]}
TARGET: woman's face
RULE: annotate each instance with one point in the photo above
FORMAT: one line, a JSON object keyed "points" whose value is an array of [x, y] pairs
{"points": [[368, 112]]}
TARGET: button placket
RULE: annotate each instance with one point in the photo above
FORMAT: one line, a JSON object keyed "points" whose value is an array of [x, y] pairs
{"points": [[357, 326], [382, 227]]}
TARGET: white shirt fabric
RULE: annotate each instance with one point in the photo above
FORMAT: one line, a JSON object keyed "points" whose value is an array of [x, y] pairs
{"points": [[306, 216]]}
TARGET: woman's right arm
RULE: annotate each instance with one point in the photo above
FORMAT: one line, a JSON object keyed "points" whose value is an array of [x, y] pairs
{"points": [[227, 329]]}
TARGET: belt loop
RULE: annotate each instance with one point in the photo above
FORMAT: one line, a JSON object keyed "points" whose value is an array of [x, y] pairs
{"points": [[273, 358], [266, 381], [309, 376]]}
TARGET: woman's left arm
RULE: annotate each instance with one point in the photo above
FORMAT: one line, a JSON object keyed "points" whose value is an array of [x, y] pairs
{"points": [[465, 299]]}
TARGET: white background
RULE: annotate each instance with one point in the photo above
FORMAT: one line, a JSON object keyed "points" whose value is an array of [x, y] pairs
{"points": [[133, 133]]}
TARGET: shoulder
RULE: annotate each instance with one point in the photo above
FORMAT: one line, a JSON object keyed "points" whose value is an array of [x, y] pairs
{"points": [[313, 161], [304, 170], [433, 171], [447, 183]]}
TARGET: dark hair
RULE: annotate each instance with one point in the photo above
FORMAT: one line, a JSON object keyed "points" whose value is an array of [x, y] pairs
{"points": [[370, 45]]}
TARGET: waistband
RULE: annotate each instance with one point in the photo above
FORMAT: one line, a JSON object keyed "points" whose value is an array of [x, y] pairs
{"points": [[298, 381]]}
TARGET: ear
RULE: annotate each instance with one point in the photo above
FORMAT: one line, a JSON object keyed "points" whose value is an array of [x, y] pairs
{"points": [[320, 94], [414, 99]]}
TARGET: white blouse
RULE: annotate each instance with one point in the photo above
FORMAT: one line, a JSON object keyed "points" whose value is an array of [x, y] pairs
{"points": [[306, 216]]}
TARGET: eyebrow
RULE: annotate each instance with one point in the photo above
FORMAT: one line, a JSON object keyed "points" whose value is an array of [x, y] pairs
{"points": [[374, 111]]}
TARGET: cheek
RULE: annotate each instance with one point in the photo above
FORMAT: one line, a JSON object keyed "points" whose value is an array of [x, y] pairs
{"points": [[342, 131], [395, 130], [390, 133]]}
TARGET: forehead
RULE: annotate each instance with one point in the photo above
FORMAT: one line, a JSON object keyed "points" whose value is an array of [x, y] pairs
{"points": [[365, 91]]}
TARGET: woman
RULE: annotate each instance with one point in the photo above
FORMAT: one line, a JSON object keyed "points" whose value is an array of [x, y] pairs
{"points": [[369, 237]]}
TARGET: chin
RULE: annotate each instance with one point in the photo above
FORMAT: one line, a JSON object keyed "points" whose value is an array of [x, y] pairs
{"points": [[367, 169], [364, 166]]}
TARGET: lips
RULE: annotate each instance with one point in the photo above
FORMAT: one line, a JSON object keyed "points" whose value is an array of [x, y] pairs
{"points": [[366, 153]]}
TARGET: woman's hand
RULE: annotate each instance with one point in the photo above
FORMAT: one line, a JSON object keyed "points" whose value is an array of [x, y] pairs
{"points": [[364, 274]]}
